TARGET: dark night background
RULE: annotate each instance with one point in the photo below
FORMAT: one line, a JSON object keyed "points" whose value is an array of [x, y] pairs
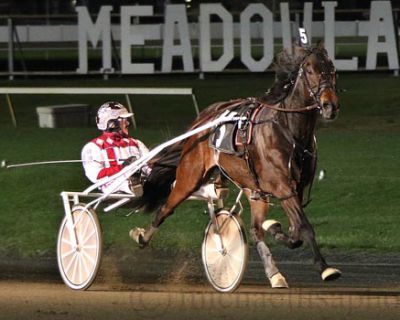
{"points": [[67, 6]]}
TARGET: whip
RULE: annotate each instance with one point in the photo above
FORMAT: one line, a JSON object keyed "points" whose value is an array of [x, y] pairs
{"points": [[4, 163]]}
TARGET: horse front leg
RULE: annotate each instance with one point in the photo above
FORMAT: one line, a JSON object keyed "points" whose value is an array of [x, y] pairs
{"points": [[301, 230], [259, 210]]}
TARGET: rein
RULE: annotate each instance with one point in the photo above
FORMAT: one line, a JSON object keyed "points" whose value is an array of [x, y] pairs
{"points": [[304, 109]]}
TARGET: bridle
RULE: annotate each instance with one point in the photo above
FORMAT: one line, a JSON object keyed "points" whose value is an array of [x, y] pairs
{"points": [[323, 84]]}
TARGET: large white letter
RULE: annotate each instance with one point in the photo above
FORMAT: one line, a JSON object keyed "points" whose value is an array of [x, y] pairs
{"points": [[381, 24], [175, 15], [86, 28], [286, 24], [330, 38], [286, 27], [128, 39], [308, 19], [206, 62], [267, 35]]}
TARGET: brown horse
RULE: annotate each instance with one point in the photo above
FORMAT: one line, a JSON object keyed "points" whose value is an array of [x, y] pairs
{"points": [[278, 161]]}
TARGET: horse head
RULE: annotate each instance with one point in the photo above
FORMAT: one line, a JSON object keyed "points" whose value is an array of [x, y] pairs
{"points": [[319, 79]]}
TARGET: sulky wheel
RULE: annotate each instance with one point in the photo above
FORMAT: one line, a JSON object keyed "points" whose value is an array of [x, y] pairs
{"points": [[225, 256], [79, 261]]}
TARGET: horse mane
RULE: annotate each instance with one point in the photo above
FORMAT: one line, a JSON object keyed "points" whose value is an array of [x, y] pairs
{"points": [[286, 67]]}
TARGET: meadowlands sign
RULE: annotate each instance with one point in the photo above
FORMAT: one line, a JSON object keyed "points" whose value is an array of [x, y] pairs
{"points": [[176, 34]]}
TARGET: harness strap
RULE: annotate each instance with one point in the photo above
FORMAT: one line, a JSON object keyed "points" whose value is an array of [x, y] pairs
{"points": [[250, 166]]}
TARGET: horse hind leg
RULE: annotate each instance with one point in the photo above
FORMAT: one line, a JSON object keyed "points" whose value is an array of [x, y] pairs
{"points": [[259, 209], [188, 180]]}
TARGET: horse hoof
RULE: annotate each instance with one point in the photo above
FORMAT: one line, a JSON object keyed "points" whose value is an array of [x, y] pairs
{"points": [[270, 223], [295, 244], [330, 274], [278, 281], [137, 235]]}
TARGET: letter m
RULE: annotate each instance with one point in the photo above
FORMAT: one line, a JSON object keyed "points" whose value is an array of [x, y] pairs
{"points": [[86, 28]]}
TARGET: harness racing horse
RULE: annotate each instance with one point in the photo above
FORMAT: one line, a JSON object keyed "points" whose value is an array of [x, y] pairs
{"points": [[279, 160]]}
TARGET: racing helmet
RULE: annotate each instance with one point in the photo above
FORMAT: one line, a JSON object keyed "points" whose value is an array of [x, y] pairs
{"points": [[109, 113]]}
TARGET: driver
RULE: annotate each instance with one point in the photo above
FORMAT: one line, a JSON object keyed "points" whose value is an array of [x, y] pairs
{"points": [[114, 149]]}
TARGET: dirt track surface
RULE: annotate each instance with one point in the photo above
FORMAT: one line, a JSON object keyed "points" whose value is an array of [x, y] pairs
{"points": [[164, 285], [54, 301]]}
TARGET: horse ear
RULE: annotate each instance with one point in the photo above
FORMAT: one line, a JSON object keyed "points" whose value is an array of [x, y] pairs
{"points": [[321, 45], [299, 51]]}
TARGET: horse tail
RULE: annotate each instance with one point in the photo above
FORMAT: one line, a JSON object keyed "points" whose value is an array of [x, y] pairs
{"points": [[158, 185]]}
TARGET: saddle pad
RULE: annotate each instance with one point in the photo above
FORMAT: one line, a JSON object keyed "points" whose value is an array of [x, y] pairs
{"points": [[231, 137], [223, 138]]}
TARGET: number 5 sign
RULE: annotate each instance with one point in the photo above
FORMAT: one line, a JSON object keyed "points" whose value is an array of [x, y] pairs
{"points": [[303, 37]]}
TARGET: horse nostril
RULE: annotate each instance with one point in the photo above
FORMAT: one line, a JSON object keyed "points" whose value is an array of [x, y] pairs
{"points": [[329, 110], [329, 106]]}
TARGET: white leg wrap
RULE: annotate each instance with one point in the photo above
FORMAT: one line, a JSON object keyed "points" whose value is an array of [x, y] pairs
{"points": [[135, 232], [269, 223], [206, 192], [330, 274], [266, 258], [278, 281]]}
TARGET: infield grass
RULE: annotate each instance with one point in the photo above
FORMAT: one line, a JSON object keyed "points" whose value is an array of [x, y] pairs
{"points": [[356, 207]]}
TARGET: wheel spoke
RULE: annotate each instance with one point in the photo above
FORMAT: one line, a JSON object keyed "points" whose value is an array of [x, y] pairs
{"points": [[79, 217], [80, 268], [89, 236], [63, 240], [222, 273], [73, 277], [231, 241], [68, 253], [89, 258], [213, 257], [86, 228], [224, 223], [85, 264], [236, 257], [91, 246], [233, 245], [70, 263], [234, 262], [232, 271]]}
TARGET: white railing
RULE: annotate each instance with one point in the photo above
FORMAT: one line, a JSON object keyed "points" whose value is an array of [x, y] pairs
{"points": [[8, 91]]}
